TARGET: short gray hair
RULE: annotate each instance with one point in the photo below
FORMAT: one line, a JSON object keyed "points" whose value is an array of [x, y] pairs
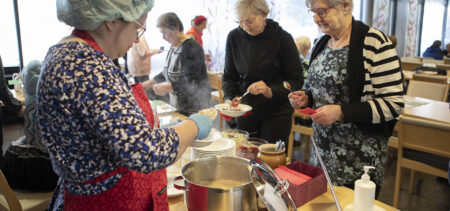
{"points": [[332, 3], [171, 21], [257, 6], [302, 43]]}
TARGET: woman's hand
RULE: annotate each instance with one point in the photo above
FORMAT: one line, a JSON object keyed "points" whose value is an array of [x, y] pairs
{"points": [[327, 115], [260, 88], [162, 88], [298, 99]]}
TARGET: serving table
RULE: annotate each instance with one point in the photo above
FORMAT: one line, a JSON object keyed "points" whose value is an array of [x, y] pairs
{"points": [[322, 202]]}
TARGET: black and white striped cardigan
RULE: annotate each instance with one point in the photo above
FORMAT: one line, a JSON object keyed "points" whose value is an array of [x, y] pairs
{"points": [[375, 80]]}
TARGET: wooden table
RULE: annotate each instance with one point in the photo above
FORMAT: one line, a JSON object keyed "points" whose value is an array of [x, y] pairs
{"points": [[430, 109], [322, 202]]}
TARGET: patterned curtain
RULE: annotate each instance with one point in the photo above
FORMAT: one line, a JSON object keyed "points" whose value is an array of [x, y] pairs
{"points": [[221, 20], [275, 9], [411, 34], [381, 15]]}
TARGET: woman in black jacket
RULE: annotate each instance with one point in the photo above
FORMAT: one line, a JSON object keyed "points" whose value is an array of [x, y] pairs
{"points": [[9, 103], [260, 55]]}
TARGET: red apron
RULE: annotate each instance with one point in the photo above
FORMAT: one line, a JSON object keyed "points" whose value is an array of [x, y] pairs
{"points": [[135, 190]]}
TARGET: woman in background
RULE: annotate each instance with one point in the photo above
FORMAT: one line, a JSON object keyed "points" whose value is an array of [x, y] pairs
{"points": [[184, 75], [139, 60], [196, 31], [259, 56], [356, 88], [9, 103], [26, 164]]}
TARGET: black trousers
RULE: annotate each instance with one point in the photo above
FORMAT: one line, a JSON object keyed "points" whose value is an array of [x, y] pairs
{"points": [[271, 129]]}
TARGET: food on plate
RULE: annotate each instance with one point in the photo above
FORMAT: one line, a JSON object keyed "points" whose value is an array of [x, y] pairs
{"points": [[235, 108], [227, 110], [235, 102], [211, 112]]}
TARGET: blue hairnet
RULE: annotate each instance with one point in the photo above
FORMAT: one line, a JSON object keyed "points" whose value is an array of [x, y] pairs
{"points": [[89, 14]]}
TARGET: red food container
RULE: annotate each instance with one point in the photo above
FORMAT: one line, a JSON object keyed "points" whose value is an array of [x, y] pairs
{"points": [[308, 190]]}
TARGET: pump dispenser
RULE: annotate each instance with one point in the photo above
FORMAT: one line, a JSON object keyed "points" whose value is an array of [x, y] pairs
{"points": [[364, 192]]}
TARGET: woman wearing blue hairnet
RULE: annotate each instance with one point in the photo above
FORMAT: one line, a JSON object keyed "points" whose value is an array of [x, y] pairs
{"points": [[101, 146]]}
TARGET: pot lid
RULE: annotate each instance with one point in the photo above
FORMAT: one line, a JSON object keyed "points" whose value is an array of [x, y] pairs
{"points": [[271, 189]]}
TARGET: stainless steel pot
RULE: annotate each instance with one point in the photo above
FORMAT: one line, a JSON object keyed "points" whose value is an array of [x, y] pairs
{"points": [[200, 197]]}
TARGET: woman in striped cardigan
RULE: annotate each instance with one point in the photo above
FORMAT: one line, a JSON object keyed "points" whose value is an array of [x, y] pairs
{"points": [[356, 88]]}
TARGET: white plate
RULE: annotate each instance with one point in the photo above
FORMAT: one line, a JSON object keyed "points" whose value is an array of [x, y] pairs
{"points": [[220, 145], [162, 107], [242, 109], [214, 135], [171, 191]]}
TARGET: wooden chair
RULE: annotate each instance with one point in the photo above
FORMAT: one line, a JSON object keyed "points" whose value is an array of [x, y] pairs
{"points": [[215, 81], [305, 130], [427, 136], [432, 61], [447, 60], [18, 201], [435, 91]]}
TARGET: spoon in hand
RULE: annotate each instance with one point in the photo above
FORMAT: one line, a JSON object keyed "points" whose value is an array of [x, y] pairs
{"points": [[237, 100], [287, 85]]}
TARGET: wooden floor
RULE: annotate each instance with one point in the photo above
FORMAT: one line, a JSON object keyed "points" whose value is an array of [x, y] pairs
{"points": [[431, 194]]}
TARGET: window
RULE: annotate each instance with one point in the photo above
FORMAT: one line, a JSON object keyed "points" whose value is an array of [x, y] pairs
{"points": [[8, 38], [40, 28], [433, 20]]}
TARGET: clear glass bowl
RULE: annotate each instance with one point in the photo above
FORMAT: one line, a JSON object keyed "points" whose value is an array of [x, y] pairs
{"points": [[249, 149]]}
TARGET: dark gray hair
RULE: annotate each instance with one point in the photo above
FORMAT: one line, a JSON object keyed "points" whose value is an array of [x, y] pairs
{"points": [[171, 21], [257, 6], [332, 3]]}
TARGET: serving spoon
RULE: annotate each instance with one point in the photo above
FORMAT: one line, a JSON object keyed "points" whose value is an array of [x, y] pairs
{"points": [[287, 85], [237, 100]]}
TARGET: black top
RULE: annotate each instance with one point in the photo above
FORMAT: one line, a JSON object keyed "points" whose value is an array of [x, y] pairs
{"points": [[11, 104], [185, 69], [270, 56]]}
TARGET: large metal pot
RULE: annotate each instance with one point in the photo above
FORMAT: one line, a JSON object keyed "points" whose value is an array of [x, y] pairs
{"points": [[200, 197]]}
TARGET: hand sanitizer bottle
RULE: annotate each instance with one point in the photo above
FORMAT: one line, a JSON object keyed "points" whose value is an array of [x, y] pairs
{"points": [[364, 192]]}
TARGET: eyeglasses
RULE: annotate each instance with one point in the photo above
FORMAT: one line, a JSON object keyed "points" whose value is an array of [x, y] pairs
{"points": [[140, 31], [321, 12], [246, 21]]}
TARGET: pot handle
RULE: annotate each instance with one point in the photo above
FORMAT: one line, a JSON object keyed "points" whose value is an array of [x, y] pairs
{"points": [[179, 187]]}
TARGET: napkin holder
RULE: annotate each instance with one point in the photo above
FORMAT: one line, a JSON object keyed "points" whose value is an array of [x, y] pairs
{"points": [[307, 191]]}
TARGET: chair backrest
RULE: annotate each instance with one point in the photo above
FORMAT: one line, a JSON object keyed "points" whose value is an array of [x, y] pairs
{"points": [[11, 198], [430, 78], [434, 91], [215, 82], [424, 135], [432, 61], [447, 60], [411, 59]]}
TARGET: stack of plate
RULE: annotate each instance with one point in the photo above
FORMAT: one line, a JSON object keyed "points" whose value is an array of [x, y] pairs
{"points": [[223, 146]]}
